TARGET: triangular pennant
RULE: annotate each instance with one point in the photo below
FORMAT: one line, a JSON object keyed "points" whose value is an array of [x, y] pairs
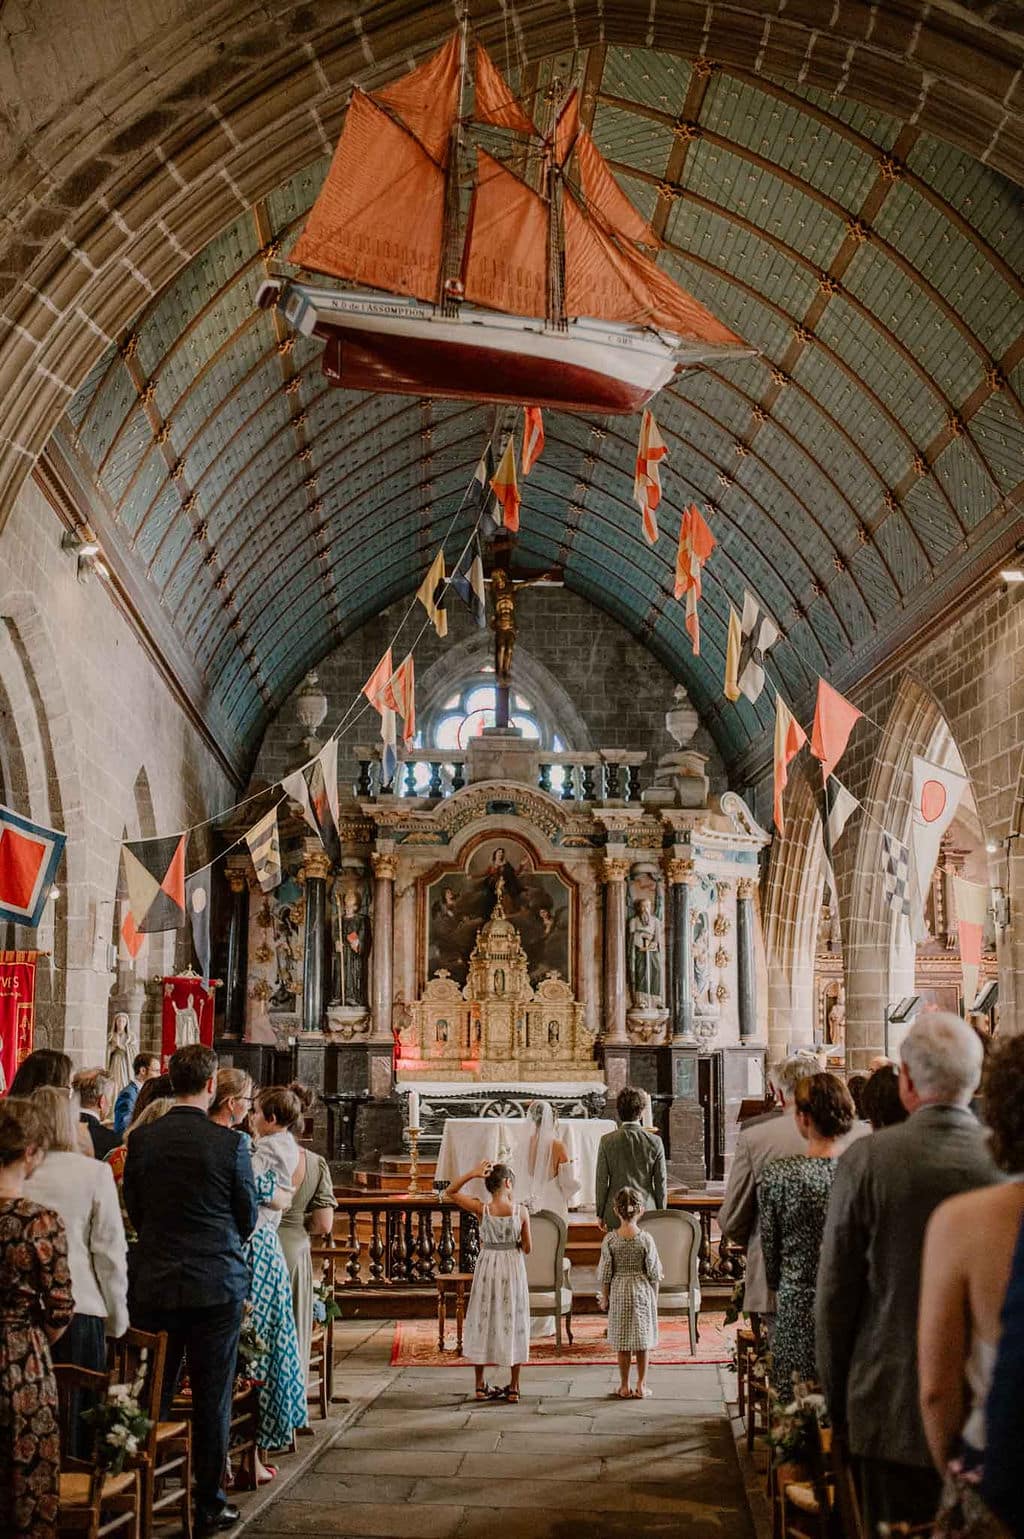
{"points": [[375, 689], [154, 871], [296, 788], [482, 505], [264, 842], [840, 807], [696, 542], [834, 720], [401, 696], [972, 900], [506, 487], [468, 582], [936, 796], [431, 593], [647, 477], [790, 737], [733, 643], [328, 757], [197, 902], [758, 632], [533, 437]]}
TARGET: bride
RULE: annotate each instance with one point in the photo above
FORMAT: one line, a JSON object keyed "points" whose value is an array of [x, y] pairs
{"points": [[551, 1182]]}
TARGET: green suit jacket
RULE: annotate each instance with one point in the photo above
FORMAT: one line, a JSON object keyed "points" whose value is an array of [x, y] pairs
{"points": [[629, 1157]]}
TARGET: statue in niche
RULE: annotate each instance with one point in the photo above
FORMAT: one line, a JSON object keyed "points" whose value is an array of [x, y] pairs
{"points": [[554, 1034], [282, 917], [702, 995], [441, 1031], [351, 947], [646, 940], [121, 1050]]}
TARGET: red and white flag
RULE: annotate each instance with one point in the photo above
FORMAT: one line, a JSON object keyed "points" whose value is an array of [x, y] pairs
{"points": [[647, 479], [834, 720], [972, 904], [696, 542], [506, 488], [533, 437], [376, 690], [936, 796], [790, 737], [401, 697]]}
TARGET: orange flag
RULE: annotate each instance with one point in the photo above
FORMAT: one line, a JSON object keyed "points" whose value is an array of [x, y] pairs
{"points": [[506, 488], [400, 695], [533, 437], [647, 479], [834, 720], [790, 737], [696, 542]]}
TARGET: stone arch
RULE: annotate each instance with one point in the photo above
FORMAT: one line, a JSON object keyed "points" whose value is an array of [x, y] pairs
{"points": [[552, 701], [792, 905]]}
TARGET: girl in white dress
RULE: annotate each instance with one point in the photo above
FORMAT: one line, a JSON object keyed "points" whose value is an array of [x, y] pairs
{"points": [[497, 1330]]}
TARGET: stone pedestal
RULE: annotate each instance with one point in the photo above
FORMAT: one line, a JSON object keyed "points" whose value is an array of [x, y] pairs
{"points": [[502, 753], [686, 1119]]}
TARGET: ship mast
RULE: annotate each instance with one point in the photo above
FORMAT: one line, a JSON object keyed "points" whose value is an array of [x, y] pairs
{"points": [[451, 261]]}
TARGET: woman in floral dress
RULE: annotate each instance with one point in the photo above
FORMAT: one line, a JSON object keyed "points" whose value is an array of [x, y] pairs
{"points": [[36, 1306]]}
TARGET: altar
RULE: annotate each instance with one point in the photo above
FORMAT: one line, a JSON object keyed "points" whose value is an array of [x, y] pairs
{"points": [[466, 1141]]}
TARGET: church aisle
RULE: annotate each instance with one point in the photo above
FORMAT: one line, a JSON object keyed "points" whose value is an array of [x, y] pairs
{"points": [[425, 1460]]}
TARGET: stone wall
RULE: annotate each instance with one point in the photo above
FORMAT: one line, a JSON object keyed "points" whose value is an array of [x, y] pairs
{"points": [[93, 742], [619, 692]]}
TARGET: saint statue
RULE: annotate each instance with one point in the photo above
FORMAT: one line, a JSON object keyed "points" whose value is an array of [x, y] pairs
{"points": [[701, 961], [351, 949], [503, 593], [646, 935], [121, 1050], [186, 1023]]}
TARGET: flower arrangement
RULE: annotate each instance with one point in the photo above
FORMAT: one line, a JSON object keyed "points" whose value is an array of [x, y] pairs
{"points": [[734, 1308], [325, 1305], [121, 1423], [793, 1423], [251, 1345]]}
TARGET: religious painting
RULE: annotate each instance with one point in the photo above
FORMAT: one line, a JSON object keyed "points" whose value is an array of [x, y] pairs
{"points": [[539, 904]]}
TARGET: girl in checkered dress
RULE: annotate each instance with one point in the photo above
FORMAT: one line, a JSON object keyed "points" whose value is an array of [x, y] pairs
{"points": [[628, 1275]]}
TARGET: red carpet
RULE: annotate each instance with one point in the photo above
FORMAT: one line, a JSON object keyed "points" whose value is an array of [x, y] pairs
{"points": [[415, 1344]]}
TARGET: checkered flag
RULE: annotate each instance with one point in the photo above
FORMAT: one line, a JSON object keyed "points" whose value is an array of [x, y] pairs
{"points": [[896, 874]]}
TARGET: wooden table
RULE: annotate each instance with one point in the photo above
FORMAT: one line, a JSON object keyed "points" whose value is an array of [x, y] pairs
{"points": [[456, 1283]]}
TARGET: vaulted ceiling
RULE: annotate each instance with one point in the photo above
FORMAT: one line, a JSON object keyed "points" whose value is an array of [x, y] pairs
{"points": [[861, 471]]}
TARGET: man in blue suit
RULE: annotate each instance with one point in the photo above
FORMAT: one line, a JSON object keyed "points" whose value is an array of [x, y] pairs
{"points": [[1002, 1486], [189, 1191], [144, 1066]]}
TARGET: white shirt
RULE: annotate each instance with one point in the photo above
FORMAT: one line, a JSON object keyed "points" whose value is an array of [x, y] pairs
{"points": [[84, 1193]]}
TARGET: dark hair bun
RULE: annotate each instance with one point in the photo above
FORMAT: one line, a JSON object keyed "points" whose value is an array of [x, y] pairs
{"points": [[496, 1177], [305, 1096]]}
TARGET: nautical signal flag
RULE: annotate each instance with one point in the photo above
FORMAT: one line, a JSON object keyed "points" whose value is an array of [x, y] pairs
{"points": [[696, 542], [834, 720], [481, 503], [264, 843], [747, 644], [197, 901], [154, 873], [790, 737], [400, 695], [936, 796], [315, 789], [647, 479], [896, 873], [840, 805], [29, 856], [533, 437], [972, 904], [375, 689], [506, 488], [468, 582], [431, 594]]}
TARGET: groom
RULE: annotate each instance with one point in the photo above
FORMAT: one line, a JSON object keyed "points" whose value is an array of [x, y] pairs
{"points": [[631, 1156]]}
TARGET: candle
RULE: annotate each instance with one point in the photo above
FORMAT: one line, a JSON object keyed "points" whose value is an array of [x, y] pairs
{"points": [[647, 1116], [414, 1110]]}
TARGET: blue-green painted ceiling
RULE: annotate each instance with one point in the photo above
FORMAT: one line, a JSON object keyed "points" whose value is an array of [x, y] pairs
{"points": [[855, 470]]}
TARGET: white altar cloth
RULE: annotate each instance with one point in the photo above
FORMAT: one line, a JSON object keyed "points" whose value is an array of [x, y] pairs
{"points": [[466, 1141]]}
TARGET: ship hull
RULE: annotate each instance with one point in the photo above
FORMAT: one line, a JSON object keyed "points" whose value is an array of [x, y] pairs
{"points": [[403, 347]]}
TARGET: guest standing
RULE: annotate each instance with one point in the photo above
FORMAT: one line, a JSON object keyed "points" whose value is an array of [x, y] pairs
{"points": [[497, 1329], [82, 1191], [156, 1089], [94, 1089], [628, 1274], [1002, 1486], [885, 1190], [45, 1066], [144, 1066], [36, 1305], [631, 1156], [968, 1255], [310, 1215], [792, 1197], [189, 1192], [883, 1105]]}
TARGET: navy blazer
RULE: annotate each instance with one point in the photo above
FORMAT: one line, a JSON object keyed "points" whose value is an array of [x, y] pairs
{"points": [[190, 1194], [1004, 1413], [104, 1139]]}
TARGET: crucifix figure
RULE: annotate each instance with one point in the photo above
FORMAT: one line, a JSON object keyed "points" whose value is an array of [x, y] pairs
{"points": [[503, 591]]}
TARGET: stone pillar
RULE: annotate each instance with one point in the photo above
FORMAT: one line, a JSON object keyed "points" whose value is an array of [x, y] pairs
{"points": [[682, 877], [746, 973], [315, 869], [614, 871], [238, 953], [381, 977]]}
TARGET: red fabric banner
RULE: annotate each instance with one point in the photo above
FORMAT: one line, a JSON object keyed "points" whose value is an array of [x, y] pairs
{"points": [[17, 1011], [187, 1015]]}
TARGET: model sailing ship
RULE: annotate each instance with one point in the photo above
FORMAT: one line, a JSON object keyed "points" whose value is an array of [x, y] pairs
{"points": [[536, 290]]}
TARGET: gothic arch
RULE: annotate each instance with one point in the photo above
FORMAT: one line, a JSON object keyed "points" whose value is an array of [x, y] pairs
{"points": [[792, 905], [551, 700]]}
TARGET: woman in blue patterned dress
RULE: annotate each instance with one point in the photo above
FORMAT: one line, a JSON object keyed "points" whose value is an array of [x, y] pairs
{"points": [[792, 1200], [274, 1161]]}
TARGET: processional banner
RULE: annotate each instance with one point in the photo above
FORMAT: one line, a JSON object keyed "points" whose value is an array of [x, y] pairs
{"points": [[187, 1014], [17, 1011]]}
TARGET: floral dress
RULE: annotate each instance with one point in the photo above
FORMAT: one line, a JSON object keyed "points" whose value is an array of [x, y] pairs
{"points": [[628, 1275], [497, 1329], [792, 1200], [283, 1378], [35, 1295]]}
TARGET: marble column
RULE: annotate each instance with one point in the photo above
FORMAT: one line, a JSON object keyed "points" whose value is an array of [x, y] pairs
{"points": [[315, 869], [682, 877], [385, 867], [238, 951], [745, 967], [614, 871]]}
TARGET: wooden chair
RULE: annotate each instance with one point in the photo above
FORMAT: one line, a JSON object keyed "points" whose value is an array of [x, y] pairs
{"points": [[746, 1353], [548, 1272], [677, 1235], [320, 1381], [92, 1502], [166, 1463], [803, 1506]]}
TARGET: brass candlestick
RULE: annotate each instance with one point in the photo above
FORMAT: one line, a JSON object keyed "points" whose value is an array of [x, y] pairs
{"points": [[414, 1159]]}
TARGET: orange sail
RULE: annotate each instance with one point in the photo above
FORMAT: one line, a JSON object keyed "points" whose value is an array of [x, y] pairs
{"points": [[505, 266], [427, 99], [494, 101], [605, 197], [567, 126], [617, 283], [379, 218]]}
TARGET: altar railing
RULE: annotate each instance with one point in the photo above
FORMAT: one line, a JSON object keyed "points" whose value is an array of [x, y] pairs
{"points": [[604, 775], [404, 1241]]}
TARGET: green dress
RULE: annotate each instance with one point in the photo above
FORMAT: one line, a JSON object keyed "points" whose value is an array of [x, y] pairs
{"points": [[314, 1191], [792, 1200]]}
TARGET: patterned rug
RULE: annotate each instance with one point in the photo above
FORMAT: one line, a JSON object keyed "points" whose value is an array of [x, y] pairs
{"points": [[415, 1344]]}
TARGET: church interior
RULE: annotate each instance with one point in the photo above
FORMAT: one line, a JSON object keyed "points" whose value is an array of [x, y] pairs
{"points": [[511, 575]]}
